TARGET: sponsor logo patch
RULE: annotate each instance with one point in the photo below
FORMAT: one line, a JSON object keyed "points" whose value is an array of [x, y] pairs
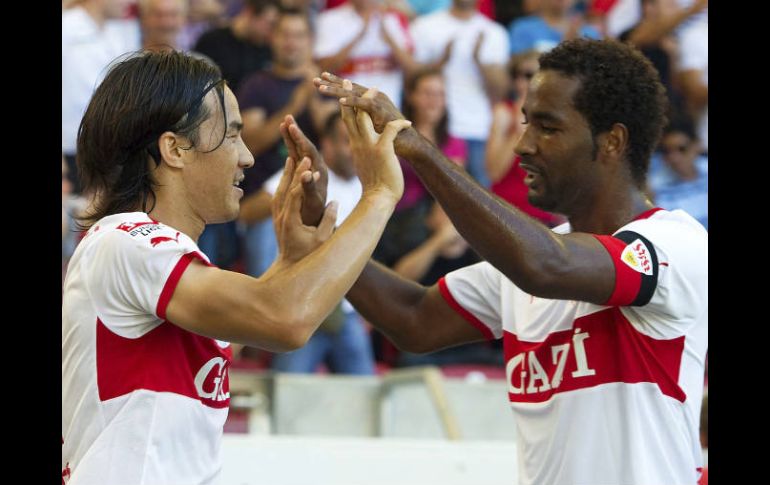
{"points": [[637, 257]]}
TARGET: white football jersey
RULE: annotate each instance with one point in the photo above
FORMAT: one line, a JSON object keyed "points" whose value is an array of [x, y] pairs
{"points": [[143, 401], [605, 394]]}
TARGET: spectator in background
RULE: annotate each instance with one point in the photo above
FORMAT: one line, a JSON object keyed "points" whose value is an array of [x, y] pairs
{"points": [[342, 341], [441, 253], [425, 106], [502, 163], [243, 47], [239, 50], [266, 98], [472, 51], [202, 16], [679, 173], [353, 40], [694, 73], [311, 8], [654, 36], [162, 23], [506, 11], [93, 34], [553, 21]]}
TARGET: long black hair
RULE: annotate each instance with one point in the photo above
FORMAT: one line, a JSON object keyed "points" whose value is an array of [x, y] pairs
{"points": [[142, 96]]}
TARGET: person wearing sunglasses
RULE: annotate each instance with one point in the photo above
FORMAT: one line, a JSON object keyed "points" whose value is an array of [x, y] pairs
{"points": [[679, 171]]}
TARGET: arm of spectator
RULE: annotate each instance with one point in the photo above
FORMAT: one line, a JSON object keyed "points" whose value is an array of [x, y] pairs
{"points": [[403, 57], [415, 264], [695, 90], [401, 6], [493, 75], [260, 132], [503, 136], [651, 31], [335, 62]]}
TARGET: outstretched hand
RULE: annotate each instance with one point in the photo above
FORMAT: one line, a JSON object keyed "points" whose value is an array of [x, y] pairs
{"points": [[314, 187], [380, 108], [296, 239], [373, 154]]}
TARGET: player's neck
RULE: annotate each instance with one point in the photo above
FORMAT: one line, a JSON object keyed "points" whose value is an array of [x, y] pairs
{"points": [[609, 213], [178, 216]]}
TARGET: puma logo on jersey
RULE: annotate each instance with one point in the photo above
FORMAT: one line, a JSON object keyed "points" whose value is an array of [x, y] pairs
{"points": [[160, 239], [637, 257]]}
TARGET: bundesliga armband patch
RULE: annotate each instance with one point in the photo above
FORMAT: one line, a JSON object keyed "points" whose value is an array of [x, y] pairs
{"points": [[636, 268]]}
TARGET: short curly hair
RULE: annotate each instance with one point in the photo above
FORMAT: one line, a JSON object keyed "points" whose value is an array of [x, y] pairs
{"points": [[618, 85]]}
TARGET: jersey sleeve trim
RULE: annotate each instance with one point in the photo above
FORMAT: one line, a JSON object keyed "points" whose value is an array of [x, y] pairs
{"points": [[173, 280], [468, 316], [636, 268]]}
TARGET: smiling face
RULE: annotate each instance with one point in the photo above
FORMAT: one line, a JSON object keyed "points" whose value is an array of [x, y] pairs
{"points": [[211, 175], [557, 148]]}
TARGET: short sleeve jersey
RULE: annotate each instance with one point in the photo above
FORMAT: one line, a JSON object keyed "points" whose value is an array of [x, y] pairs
{"points": [[605, 393], [143, 401]]}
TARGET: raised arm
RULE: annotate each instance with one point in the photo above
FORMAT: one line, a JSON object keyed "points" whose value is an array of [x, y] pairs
{"points": [[503, 135], [650, 30], [542, 263], [493, 75], [337, 60], [415, 318], [280, 310]]}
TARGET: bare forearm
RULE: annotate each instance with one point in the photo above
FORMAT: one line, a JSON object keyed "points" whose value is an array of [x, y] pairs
{"points": [[415, 264], [336, 61], [261, 137], [499, 154], [506, 237], [315, 284], [405, 60], [494, 81], [389, 302], [695, 90], [650, 32]]}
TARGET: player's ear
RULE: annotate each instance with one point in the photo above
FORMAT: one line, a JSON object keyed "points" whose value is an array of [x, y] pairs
{"points": [[173, 149]]}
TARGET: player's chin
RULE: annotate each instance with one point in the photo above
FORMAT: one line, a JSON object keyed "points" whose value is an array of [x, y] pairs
{"points": [[540, 200]]}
